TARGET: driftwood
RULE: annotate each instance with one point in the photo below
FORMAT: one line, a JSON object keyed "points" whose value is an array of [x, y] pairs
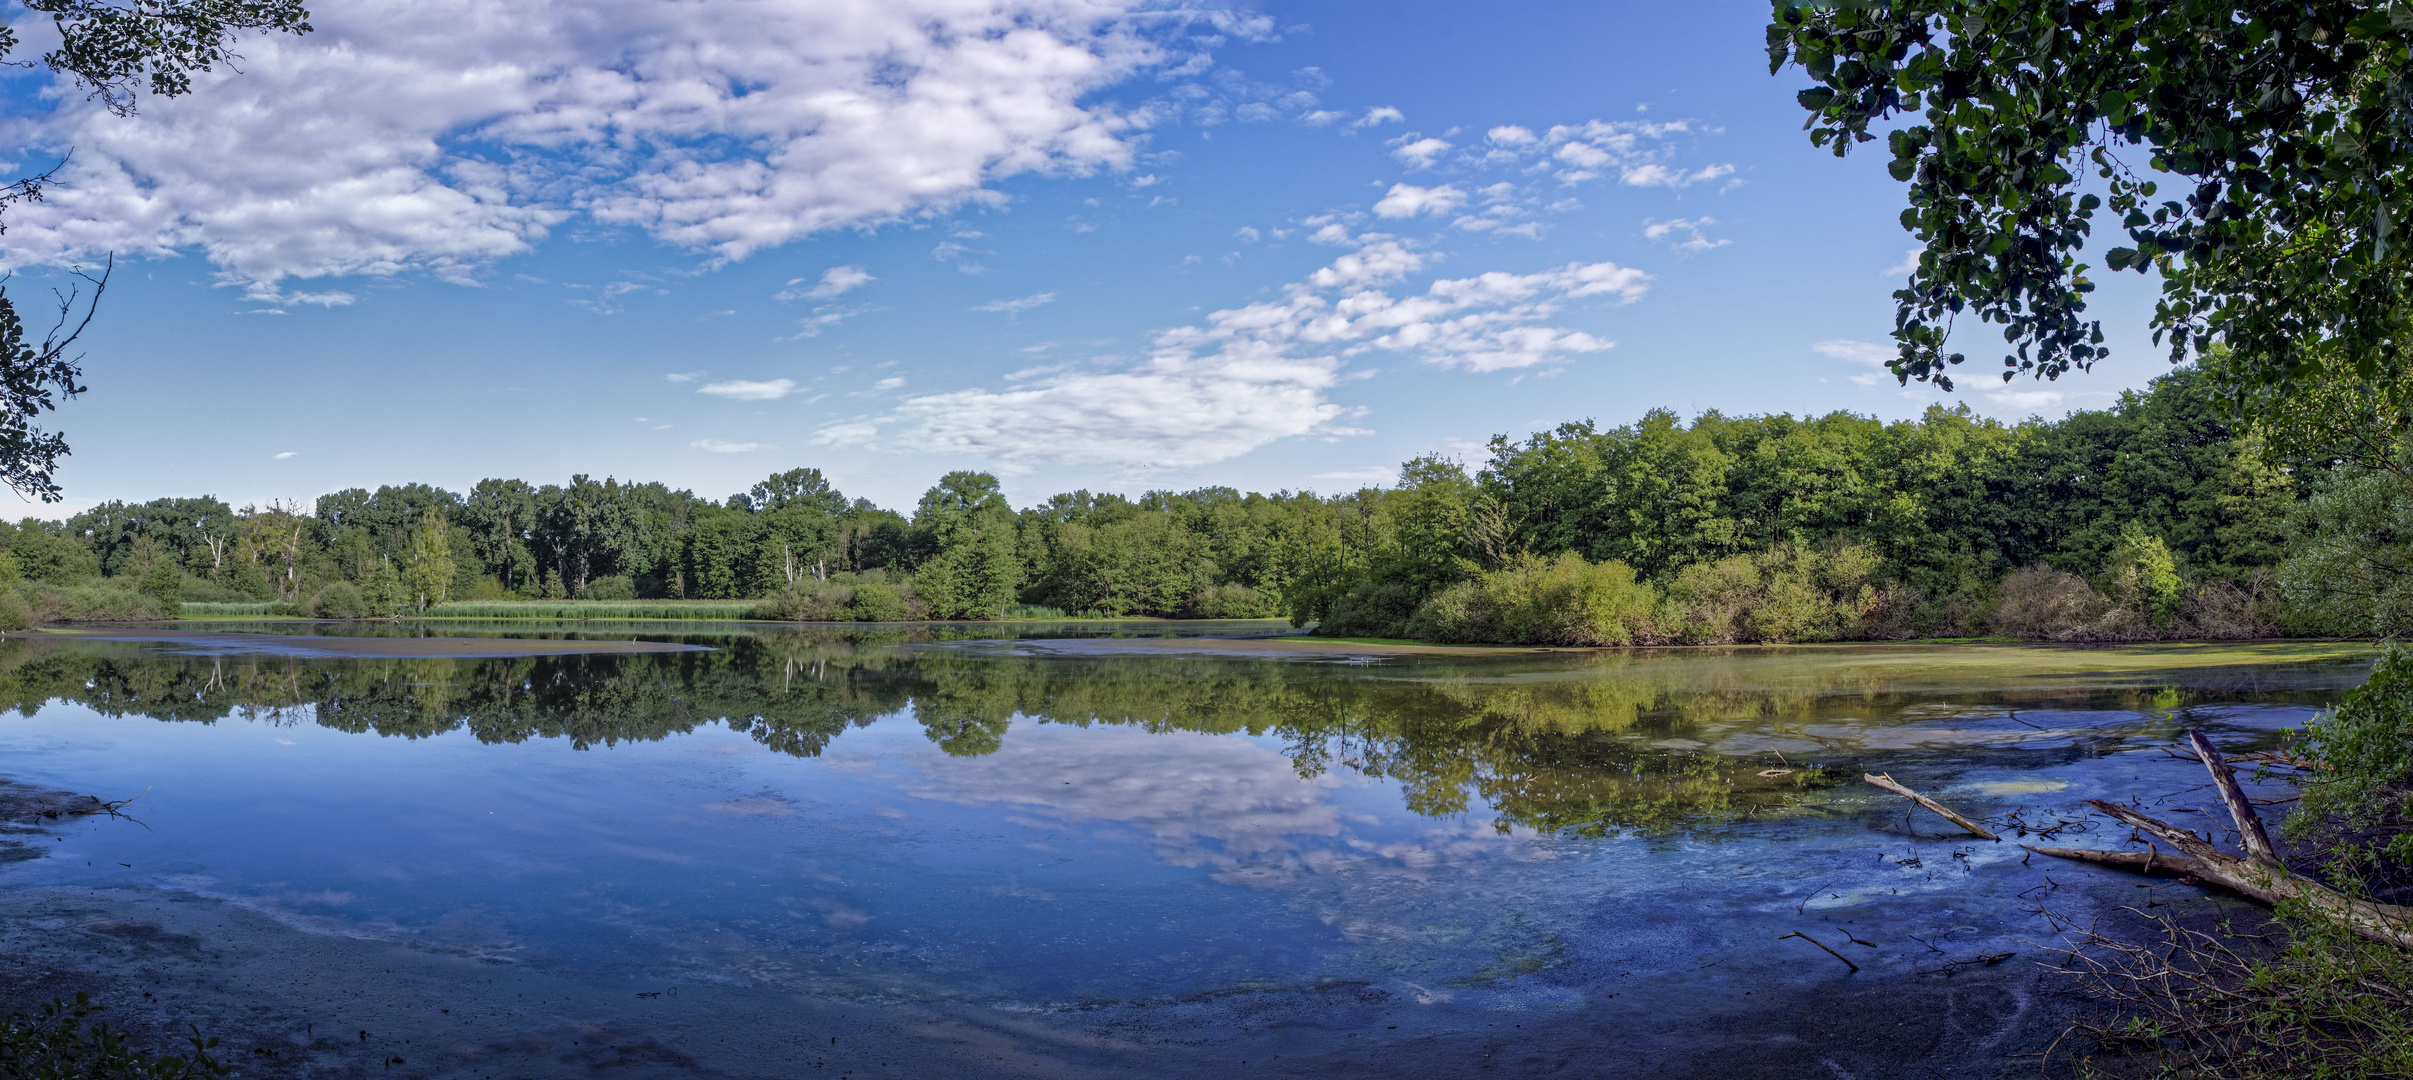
{"points": [[2259, 875], [1887, 782]]}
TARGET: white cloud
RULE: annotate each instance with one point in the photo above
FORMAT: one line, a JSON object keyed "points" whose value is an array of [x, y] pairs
{"points": [[890, 383], [1011, 308], [722, 446], [835, 282], [282, 455], [825, 317], [1510, 135], [1858, 352], [684, 376], [1381, 114], [1910, 262], [1252, 375], [1657, 175], [1408, 200], [1693, 241], [748, 390], [438, 136], [1420, 153]]}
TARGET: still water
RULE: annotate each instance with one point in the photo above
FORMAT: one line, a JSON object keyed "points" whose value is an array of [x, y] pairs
{"points": [[1048, 824]]}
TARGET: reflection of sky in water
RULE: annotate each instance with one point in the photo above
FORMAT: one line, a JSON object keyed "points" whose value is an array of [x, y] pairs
{"points": [[1071, 864]]}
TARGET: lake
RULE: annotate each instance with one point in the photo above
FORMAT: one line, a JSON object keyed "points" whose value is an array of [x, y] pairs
{"points": [[1041, 852]]}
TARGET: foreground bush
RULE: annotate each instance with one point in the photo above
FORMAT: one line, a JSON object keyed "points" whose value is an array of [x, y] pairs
{"points": [[63, 1043]]}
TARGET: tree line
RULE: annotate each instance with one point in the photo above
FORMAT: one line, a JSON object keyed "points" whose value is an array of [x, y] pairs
{"points": [[2123, 522]]}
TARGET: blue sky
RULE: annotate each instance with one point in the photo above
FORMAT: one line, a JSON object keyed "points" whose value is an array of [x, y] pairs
{"points": [[1075, 242]]}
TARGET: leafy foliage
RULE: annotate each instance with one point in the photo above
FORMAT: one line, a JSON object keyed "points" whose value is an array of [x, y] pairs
{"points": [[2285, 127], [65, 1043]]}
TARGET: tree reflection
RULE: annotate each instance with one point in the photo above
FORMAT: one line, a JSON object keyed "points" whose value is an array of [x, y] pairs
{"points": [[1588, 743]]}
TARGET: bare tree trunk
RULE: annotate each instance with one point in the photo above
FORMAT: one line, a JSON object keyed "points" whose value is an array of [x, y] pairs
{"points": [[2258, 876]]}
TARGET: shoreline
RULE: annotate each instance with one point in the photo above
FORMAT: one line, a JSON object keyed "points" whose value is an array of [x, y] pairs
{"points": [[363, 648]]}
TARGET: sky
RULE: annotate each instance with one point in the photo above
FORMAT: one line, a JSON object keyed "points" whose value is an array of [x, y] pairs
{"points": [[1076, 243]]}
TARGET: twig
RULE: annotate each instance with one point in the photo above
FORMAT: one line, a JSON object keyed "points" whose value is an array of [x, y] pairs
{"points": [[1974, 961], [1847, 961]]}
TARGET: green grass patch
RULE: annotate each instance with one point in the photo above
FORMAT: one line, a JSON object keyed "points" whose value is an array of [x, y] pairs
{"points": [[1373, 641], [198, 609], [587, 610]]}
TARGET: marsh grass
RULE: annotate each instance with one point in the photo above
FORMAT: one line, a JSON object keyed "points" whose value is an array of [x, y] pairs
{"points": [[589, 610]]}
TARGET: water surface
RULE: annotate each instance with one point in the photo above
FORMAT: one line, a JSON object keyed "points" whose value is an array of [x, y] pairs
{"points": [[1044, 827]]}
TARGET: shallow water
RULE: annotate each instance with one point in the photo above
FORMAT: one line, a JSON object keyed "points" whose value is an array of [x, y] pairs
{"points": [[1047, 826]]}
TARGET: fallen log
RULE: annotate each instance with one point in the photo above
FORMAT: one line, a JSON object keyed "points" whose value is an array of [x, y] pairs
{"points": [[1887, 782], [2259, 876]]}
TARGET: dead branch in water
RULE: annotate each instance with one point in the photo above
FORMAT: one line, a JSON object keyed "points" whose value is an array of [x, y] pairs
{"points": [[1847, 961], [1887, 782], [2258, 876]]}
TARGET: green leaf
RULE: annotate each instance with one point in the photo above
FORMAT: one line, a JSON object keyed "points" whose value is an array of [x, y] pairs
{"points": [[2120, 258]]}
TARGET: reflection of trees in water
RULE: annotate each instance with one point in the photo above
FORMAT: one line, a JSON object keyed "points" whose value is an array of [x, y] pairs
{"points": [[1553, 743]]}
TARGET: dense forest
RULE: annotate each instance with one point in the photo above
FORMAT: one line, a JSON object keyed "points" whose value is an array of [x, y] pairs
{"points": [[2154, 518]]}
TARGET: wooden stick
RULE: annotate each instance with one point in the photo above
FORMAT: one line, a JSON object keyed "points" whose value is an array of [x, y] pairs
{"points": [[2253, 879], [1887, 782], [2249, 824], [1847, 961]]}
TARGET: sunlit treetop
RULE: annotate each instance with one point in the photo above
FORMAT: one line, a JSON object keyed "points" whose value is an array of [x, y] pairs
{"points": [[2282, 134]]}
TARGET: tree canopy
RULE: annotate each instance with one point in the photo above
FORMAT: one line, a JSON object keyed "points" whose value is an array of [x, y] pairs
{"points": [[2283, 130]]}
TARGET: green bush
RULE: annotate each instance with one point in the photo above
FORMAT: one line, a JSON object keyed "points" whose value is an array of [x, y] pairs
{"points": [[880, 602], [615, 587], [2365, 747], [341, 600], [101, 600], [59, 1044], [1561, 601], [807, 601], [1234, 601], [15, 614]]}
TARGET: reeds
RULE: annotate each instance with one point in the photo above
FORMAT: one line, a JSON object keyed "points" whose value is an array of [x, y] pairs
{"points": [[589, 610]]}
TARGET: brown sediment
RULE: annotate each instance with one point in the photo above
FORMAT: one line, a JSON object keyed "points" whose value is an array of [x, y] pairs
{"points": [[368, 647]]}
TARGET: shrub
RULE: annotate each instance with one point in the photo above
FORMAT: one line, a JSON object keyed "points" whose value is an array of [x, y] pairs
{"points": [[1533, 601], [2144, 578], [807, 601], [341, 600], [2043, 603], [2365, 746], [105, 600], [1379, 608], [879, 602], [15, 613], [615, 587]]}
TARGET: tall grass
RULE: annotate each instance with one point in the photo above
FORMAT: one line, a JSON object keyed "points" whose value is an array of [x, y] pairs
{"points": [[574, 610], [192, 607]]}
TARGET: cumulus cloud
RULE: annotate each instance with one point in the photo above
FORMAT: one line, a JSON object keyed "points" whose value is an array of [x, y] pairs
{"points": [[1408, 200], [1510, 135], [1381, 114], [1252, 375], [684, 376], [1910, 262], [1654, 174], [835, 282], [1418, 153], [723, 446], [1011, 308], [1684, 234], [748, 390], [440, 135]]}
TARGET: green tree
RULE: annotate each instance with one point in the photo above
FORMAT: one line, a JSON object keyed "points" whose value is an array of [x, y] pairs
{"points": [[2281, 124], [973, 572], [428, 568]]}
